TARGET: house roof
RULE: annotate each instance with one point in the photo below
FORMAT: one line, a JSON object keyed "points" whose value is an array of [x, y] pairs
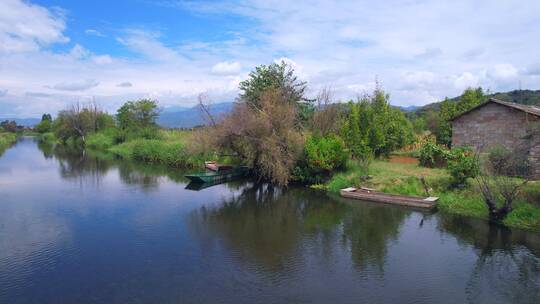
{"points": [[534, 110]]}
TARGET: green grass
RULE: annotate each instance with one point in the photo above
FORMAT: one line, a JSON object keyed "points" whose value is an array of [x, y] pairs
{"points": [[170, 149], [404, 179], [6, 140]]}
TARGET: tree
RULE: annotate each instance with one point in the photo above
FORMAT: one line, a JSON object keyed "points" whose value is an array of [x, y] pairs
{"points": [[444, 125], [45, 125], [136, 115], [470, 98], [373, 126], [9, 126], [326, 117], [78, 121], [498, 180], [278, 77], [265, 137]]}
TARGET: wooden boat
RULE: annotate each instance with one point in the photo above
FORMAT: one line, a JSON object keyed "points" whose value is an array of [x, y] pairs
{"points": [[218, 176], [368, 194], [212, 165]]}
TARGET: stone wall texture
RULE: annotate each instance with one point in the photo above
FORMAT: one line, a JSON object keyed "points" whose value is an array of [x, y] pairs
{"points": [[495, 124]]}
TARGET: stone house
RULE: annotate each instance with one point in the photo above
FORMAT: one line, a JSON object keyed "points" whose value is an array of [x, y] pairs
{"points": [[503, 123]]}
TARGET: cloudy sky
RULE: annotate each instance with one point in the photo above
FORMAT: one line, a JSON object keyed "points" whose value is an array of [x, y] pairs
{"points": [[53, 53]]}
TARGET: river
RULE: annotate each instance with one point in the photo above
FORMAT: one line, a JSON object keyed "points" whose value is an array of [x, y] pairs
{"points": [[85, 228]]}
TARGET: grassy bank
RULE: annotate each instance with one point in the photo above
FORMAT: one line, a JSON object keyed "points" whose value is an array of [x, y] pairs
{"points": [[6, 140], [169, 147], [400, 178]]}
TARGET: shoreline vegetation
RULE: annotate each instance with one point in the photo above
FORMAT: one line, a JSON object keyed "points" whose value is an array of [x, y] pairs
{"points": [[6, 140], [287, 138]]}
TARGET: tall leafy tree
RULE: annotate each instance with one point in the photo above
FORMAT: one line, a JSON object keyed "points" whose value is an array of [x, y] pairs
{"points": [[470, 98], [278, 77], [138, 114]]}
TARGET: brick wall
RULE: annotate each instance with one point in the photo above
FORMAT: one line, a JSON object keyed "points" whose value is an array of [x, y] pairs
{"points": [[495, 124]]}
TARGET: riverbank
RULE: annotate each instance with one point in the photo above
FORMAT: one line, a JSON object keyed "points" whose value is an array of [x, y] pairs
{"points": [[6, 140], [172, 148], [168, 147], [403, 178]]}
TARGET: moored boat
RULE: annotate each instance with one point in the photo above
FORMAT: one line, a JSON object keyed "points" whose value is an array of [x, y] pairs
{"points": [[367, 194], [218, 176], [214, 166]]}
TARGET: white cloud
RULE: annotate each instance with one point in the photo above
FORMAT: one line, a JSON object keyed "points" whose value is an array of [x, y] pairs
{"points": [[227, 68], [93, 32], [27, 27], [502, 72], [147, 43], [77, 85], [420, 51], [465, 80]]}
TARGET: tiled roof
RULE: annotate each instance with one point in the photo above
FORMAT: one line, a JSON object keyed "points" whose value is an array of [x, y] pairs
{"points": [[534, 110]]}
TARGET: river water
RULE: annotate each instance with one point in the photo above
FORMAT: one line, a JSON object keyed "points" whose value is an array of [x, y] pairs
{"points": [[85, 228]]}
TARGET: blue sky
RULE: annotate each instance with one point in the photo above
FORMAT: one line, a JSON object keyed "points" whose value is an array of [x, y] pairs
{"points": [[53, 53]]}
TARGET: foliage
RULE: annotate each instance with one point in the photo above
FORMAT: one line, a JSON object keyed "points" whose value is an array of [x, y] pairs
{"points": [[355, 169], [6, 140], [433, 155], [45, 125], [470, 98], [373, 127], [498, 183], [265, 138], [9, 126], [274, 77], [277, 77], [325, 153], [101, 140], [76, 122], [137, 115], [160, 152], [462, 164], [322, 156]]}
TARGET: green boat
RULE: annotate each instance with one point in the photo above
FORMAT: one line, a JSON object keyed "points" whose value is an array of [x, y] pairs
{"points": [[218, 176]]}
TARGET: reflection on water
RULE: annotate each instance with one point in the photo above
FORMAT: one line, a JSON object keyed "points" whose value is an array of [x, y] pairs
{"points": [[83, 227]]}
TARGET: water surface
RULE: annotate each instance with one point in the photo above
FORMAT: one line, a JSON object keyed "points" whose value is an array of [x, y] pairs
{"points": [[85, 228]]}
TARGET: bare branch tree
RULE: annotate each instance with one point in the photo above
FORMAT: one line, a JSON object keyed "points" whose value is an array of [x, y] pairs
{"points": [[205, 104], [499, 179]]}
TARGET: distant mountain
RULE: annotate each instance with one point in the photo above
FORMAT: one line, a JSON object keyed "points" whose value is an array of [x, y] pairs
{"points": [[528, 97], [191, 117], [407, 108], [27, 122]]}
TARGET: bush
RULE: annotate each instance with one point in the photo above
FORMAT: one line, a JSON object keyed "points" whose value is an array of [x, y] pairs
{"points": [[100, 140], [325, 153], [433, 155], [322, 155], [43, 127], [462, 164]]}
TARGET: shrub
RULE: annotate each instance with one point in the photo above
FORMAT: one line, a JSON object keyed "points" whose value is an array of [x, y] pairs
{"points": [[325, 153], [322, 155], [433, 155], [43, 126], [100, 140], [462, 164]]}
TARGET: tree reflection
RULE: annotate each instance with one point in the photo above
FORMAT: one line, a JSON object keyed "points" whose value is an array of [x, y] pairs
{"points": [[507, 265], [368, 230], [269, 227]]}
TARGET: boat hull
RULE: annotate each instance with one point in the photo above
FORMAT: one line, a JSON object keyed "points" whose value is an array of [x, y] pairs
{"points": [[379, 197], [217, 177]]}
